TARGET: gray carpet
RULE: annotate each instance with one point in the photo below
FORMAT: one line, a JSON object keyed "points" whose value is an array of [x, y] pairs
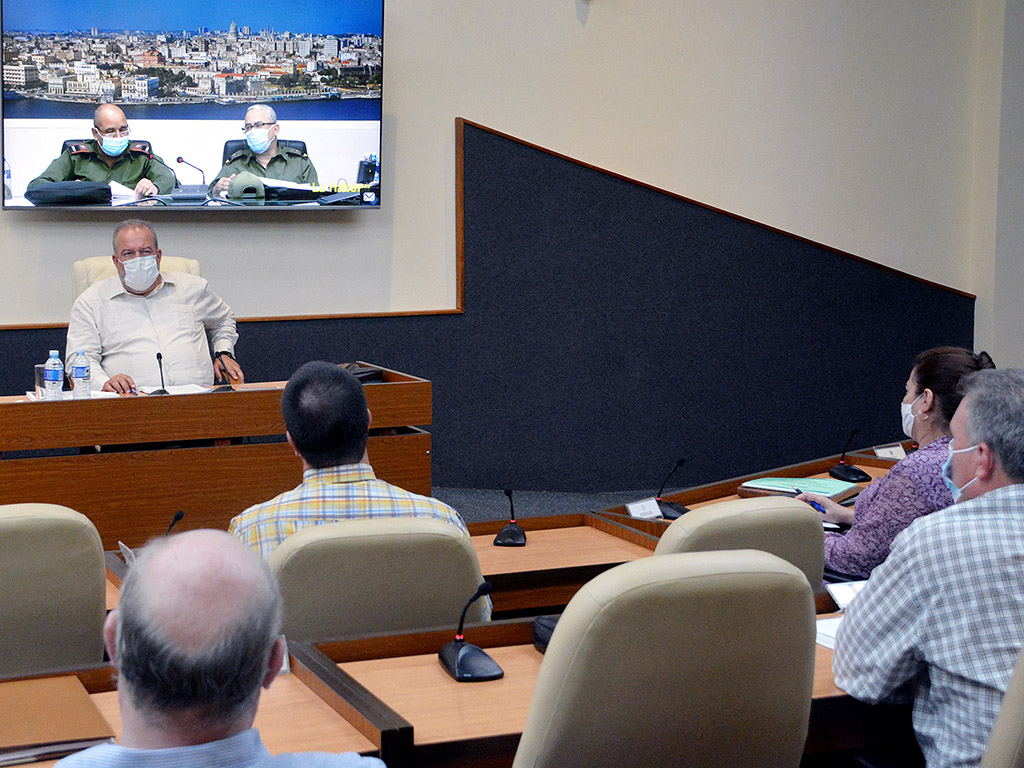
{"points": [[479, 505]]}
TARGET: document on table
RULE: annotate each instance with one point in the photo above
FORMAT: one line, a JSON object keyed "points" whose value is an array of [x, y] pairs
{"points": [[177, 389], [827, 629]]}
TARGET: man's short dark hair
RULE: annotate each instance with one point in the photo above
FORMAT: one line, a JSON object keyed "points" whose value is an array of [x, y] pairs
{"points": [[324, 409]]}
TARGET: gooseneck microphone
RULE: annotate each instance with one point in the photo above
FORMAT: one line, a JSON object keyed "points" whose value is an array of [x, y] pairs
{"points": [[174, 521], [848, 472], [669, 509], [201, 172], [465, 662], [160, 363], [512, 535]]}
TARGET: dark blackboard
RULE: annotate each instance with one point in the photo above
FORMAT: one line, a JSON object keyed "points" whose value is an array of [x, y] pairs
{"points": [[610, 328]]}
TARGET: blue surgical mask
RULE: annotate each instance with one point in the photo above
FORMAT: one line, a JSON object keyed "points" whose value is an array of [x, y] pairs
{"points": [[947, 476], [114, 145], [258, 140], [141, 273]]}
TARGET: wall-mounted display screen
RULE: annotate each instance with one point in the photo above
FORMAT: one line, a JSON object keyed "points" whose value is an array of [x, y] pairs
{"points": [[194, 103]]}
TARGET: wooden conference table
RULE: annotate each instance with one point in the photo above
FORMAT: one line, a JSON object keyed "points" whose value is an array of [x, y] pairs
{"points": [[131, 495]]}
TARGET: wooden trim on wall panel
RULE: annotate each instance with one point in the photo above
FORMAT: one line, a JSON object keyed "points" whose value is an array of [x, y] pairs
{"points": [[460, 123]]}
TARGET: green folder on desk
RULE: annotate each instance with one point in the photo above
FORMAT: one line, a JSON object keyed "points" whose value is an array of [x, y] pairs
{"points": [[826, 486]]}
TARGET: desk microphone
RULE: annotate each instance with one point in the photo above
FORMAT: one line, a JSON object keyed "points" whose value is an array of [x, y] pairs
{"points": [[201, 173], [669, 509], [848, 472], [465, 662], [174, 521], [156, 159], [512, 535], [160, 362]]}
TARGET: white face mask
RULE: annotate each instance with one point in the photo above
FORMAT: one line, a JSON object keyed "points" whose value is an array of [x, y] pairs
{"points": [[141, 273], [907, 412]]}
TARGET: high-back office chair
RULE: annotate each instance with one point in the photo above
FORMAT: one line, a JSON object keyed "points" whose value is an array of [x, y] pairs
{"points": [[370, 576], [698, 659], [85, 272], [53, 599], [233, 145], [787, 528], [1005, 747]]}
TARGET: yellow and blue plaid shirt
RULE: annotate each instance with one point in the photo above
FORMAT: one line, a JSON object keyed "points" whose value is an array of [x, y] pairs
{"points": [[330, 495]]}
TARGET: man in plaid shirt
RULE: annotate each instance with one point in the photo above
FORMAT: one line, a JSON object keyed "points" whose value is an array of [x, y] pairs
{"points": [[328, 424], [941, 621]]}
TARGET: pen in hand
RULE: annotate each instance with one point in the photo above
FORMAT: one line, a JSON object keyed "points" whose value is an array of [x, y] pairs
{"points": [[814, 504]]}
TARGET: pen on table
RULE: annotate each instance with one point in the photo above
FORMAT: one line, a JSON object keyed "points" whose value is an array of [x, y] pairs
{"points": [[814, 504]]}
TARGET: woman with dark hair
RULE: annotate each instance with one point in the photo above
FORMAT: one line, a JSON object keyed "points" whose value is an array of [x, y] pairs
{"points": [[913, 487]]}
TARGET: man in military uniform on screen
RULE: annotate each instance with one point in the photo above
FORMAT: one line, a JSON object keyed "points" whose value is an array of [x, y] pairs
{"points": [[262, 155], [110, 156]]}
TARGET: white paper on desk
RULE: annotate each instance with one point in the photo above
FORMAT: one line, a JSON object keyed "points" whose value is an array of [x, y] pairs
{"points": [[827, 629], [647, 509], [844, 592], [177, 389], [285, 184], [120, 194], [97, 394]]}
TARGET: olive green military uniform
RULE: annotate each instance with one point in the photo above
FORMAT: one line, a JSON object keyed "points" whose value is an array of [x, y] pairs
{"points": [[287, 165], [82, 162]]}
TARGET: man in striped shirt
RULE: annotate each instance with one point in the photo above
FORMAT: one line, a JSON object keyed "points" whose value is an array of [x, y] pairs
{"points": [[328, 423], [941, 621]]}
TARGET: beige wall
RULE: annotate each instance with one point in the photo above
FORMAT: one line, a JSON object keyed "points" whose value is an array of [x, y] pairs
{"points": [[870, 126]]}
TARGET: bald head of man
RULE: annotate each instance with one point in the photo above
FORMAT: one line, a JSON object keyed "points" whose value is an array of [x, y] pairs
{"points": [[194, 638]]}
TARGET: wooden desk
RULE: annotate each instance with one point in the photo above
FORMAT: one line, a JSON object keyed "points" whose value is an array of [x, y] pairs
{"points": [[459, 724], [562, 553], [131, 495]]}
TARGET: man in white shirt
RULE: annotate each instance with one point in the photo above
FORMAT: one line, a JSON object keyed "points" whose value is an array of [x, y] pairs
{"points": [[121, 323]]}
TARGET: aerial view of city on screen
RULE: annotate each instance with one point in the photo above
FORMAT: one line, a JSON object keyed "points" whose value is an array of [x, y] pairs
{"points": [[237, 58]]}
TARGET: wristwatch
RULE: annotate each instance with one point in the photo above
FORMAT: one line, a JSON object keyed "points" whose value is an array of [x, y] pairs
{"points": [[223, 353]]}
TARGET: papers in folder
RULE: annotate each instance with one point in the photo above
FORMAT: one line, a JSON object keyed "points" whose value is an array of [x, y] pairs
{"points": [[826, 486]]}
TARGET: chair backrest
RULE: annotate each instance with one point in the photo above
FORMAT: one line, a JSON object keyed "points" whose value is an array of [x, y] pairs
{"points": [[233, 145], [1005, 747], [53, 600], [699, 659], [781, 525], [85, 272], [360, 577]]}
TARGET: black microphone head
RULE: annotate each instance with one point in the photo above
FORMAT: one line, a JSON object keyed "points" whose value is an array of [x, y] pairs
{"points": [[181, 159], [680, 462], [484, 588], [855, 432], [508, 492], [178, 515], [159, 356]]}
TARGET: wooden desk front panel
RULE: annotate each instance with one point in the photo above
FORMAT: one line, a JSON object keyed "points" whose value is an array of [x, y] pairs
{"points": [[131, 496]]}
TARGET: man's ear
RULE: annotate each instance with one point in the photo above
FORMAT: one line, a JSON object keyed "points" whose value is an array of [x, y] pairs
{"points": [[276, 659], [110, 636], [369, 418], [288, 437], [988, 462]]}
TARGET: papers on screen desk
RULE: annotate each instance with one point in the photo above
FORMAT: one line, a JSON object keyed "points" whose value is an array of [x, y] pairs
{"points": [[827, 629], [47, 718]]}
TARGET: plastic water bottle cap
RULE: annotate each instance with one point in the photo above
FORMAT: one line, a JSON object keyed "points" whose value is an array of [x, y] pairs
{"points": [[54, 353]]}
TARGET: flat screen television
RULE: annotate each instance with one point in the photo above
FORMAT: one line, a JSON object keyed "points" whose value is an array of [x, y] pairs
{"points": [[184, 74]]}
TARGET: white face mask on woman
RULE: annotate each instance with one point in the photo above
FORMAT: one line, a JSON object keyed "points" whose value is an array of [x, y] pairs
{"points": [[907, 412]]}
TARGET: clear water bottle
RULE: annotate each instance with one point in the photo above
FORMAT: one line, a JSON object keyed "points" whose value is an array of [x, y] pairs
{"points": [[81, 376], [53, 373]]}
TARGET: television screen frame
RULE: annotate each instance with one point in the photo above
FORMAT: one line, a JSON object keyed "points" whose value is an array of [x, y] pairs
{"points": [[184, 76]]}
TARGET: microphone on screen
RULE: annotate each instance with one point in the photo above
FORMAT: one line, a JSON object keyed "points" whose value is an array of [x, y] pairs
{"points": [[160, 363], [848, 472], [669, 509], [512, 535], [186, 162], [465, 662], [174, 521]]}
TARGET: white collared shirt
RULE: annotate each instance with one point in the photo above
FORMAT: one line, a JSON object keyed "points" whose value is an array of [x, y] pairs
{"points": [[121, 332]]}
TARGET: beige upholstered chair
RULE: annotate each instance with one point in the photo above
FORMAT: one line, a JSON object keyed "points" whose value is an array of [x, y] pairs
{"points": [[1006, 743], [85, 272], [701, 659], [360, 577], [785, 527], [52, 604]]}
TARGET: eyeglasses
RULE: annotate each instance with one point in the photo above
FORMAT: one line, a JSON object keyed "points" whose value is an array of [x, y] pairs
{"points": [[112, 133], [127, 255], [249, 126]]}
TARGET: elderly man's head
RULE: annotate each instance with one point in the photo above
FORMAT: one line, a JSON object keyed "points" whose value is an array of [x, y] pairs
{"points": [[261, 128], [110, 129], [137, 255], [324, 409], [195, 632]]}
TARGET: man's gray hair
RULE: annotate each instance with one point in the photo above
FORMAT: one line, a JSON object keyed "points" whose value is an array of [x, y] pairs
{"points": [[218, 681], [995, 416], [266, 108], [134, 224]]}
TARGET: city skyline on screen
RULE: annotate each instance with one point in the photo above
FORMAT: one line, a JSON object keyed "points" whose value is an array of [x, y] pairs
{"points": [[338, 17]]}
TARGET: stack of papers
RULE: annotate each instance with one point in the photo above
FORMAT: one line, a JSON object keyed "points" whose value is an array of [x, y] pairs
{"points": [[837, 490], [844, 592], [827, 629]]}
